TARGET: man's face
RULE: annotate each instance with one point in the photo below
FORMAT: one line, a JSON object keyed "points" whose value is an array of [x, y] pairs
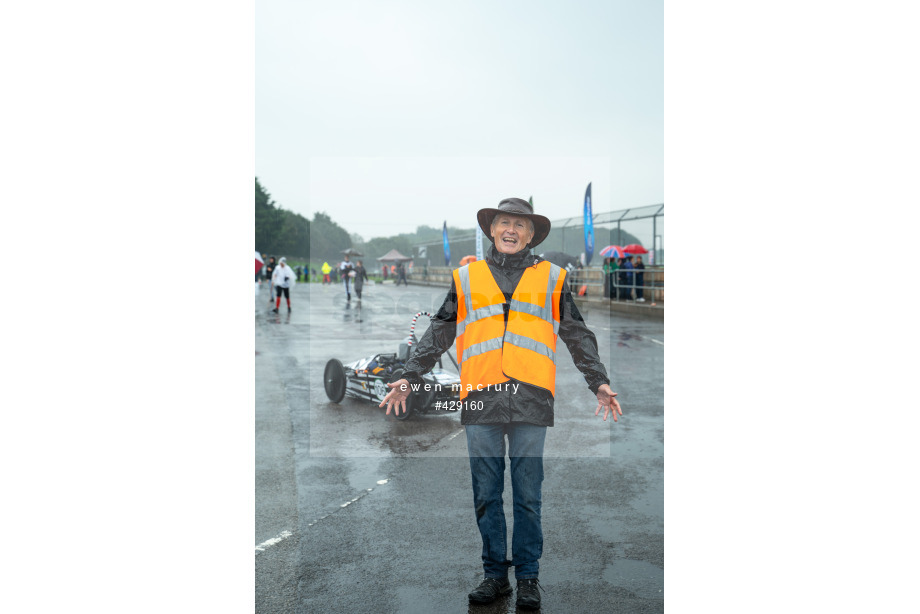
{"points": [[511, 233]]}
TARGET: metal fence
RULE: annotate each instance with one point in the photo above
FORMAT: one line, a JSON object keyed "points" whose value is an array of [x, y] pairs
{"points": [[618, 286], [643, 225], [589, 282]]}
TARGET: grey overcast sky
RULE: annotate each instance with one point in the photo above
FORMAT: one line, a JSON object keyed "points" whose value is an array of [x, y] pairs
{"points": [[388, 115]]}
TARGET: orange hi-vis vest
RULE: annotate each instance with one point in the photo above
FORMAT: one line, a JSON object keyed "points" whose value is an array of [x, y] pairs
{"points": [[489, 353]]}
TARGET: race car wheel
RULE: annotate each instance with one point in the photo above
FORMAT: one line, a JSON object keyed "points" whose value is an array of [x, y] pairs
{"points": [[334, 380], [411, 402]]}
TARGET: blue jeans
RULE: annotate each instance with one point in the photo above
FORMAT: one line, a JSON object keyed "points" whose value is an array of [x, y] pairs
{"points": [[486, 444]]}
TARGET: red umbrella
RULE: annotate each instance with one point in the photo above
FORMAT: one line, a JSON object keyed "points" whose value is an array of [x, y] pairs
{"points": [[259, 262], [635, 248]]}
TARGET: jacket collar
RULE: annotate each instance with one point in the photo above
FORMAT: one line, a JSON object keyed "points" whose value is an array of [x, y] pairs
{"points": [[520, 260]]}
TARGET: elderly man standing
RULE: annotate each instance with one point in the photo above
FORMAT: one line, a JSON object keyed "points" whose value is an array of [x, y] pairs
{"points": [[505, 313]]}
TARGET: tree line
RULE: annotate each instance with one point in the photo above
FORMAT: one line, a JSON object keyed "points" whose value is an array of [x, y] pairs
{"points": [[280, 232]]}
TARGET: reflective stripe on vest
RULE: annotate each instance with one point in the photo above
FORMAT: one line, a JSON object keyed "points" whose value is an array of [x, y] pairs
{"points": [[478, 314], [524, 348], [546, 311], [530, 344], [483, 346]]}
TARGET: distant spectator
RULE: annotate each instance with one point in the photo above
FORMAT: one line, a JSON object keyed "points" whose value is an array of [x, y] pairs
{"points": [[401, 273], [622, 289], [347, 271], [326, 270], [614, 279], [630, 277], [608, 280], [385, 272], [299, 271], [269, 271], [360, 278], [640, 279], [282, 278], [260, 274]]}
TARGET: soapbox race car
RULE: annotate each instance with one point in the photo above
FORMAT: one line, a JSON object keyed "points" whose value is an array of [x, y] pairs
{"points": [[367, 378]]}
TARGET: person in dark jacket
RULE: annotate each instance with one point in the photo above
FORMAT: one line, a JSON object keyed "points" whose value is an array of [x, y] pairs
{"points": [[640, 279], [630, 277], [518, 409], [622, 280], [401, 274], [269, 271], [360, 278]]}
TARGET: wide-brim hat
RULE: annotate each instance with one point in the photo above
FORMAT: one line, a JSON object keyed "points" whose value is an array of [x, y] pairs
{"points": [[515, 206]]}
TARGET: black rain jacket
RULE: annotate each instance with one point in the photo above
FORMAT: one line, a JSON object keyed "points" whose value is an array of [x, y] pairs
{"points": [[530, 404]]}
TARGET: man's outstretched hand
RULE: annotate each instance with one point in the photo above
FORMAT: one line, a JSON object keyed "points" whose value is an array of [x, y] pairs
{"points": [[396, 397], [606, 398]]}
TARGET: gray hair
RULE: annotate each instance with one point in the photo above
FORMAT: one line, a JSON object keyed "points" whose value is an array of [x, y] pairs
{"points": [[533, 229]]}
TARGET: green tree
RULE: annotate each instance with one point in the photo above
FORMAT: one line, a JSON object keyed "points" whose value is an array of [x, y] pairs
{"points": [[327, 239], [278, 231], [294, 239], [268, 221]]}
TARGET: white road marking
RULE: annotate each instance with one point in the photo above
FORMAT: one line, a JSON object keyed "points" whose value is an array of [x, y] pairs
{"points": [[271, 542], [346, 504], [455, 434], [655, 340]]}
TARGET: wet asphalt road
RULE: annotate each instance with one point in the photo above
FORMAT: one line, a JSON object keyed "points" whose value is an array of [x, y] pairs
{"points": [[358, 512]]}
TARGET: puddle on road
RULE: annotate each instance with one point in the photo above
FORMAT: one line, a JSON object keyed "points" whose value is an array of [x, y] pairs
{"points": [[609, 532], [624, 337], [414, 435], [638, 577], [364, 473]]}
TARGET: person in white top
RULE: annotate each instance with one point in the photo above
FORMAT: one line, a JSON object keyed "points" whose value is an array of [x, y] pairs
{"points": [[282, 280], [346, 272]]}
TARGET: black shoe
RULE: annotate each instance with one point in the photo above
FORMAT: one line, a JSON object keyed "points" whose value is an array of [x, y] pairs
{"points": [[275, 310], [490, 589], [289, 309], [528, 594]]}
